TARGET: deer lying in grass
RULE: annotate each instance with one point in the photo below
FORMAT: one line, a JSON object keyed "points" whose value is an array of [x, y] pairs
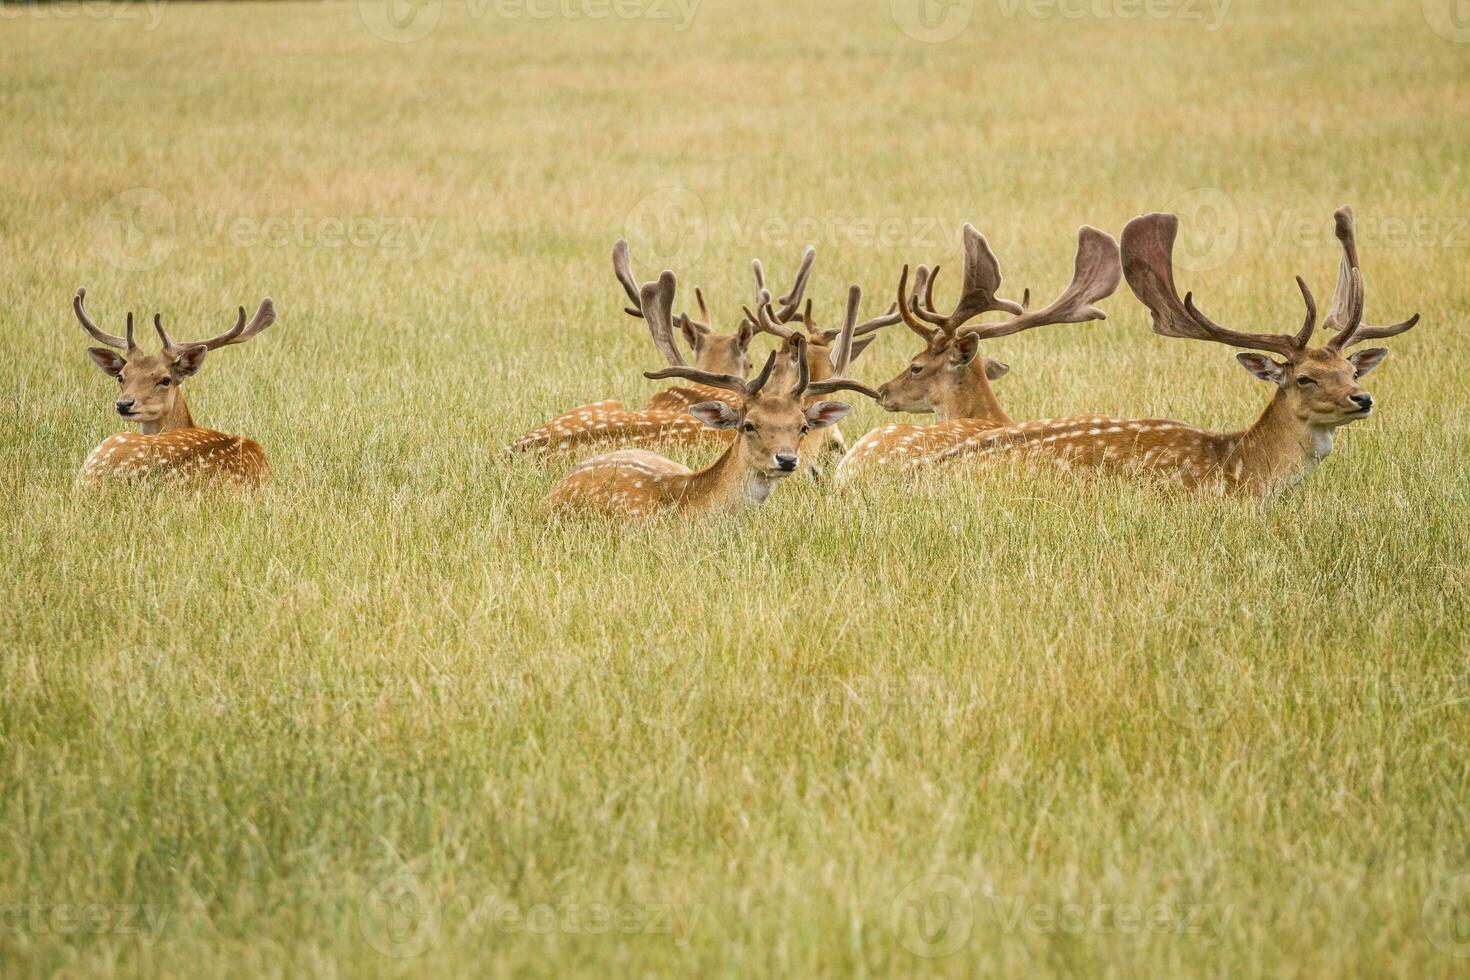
{"points": [[168, 442], [664, 418], [769, 419], [1317, 388], [949, 377]]}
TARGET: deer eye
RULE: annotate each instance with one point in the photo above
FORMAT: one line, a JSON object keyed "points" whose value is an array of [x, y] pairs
{"points": [[165, 382], [1303, 380], [748, 427], [805, 429], [915, 368]]}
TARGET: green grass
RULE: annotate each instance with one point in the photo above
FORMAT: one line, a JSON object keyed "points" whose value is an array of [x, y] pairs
{"points": [[236, 727]]}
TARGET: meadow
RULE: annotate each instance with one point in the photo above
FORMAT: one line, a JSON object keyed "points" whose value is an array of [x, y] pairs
{"points": [[388, 718]]}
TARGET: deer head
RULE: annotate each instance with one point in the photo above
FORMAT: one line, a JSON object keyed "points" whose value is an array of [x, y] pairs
{"points": [[150, 383], [945, 373], [1316, 385], [716, 352], [770, 418]]}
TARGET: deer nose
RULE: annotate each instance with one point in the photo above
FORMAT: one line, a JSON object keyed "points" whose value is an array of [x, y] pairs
{"points": [[124, 406], [1364, 401], [786, 462]]}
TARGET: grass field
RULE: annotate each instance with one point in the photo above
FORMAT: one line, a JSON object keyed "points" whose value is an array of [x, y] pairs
{"points": [[385, 718]]}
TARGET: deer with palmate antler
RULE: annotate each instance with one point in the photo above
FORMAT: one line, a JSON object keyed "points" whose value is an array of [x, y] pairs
{"points": [[664, 418], [769, 420], [168, 442], [949, 377], [1317, 388]]}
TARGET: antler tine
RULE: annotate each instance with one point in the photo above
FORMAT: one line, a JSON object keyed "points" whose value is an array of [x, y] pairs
{"points": [[78, 305], [803, 370], [841, 384], [978, 287], [842, 353], [754, 385], [765, 322], [1346, 315], [168, 343], [906, 314], [1309, 324], [623, 269], [1095, 276], [238, 334], [1148, 265], [704, 319], [656, 301], [792, 299]]}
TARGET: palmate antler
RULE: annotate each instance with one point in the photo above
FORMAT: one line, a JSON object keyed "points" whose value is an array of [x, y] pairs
{"points": [[1148, 265], [1346, 315], [980, 283]]}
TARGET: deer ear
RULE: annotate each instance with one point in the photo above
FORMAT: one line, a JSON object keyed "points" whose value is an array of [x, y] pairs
{"points": [[823, 414], [964, 348], [110, 361], [745, 334], [995, 370], [189, 360], [716, 414], [1262, 366], [691, 336], [1366, 360]]}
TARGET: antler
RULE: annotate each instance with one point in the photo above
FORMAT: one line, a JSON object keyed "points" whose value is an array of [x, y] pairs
{"points": [[1346, 315], [765, 321], [977, 291], [727, 381], [1148, 265], [792, 300], [842, 354], [111, 340], [237, 334], [1095, 276]]}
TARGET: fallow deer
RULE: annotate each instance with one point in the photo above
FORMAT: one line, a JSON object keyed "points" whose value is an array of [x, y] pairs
{"points": [[769, 420], [1317, 388], [949, 377], [168, 442], [664, 418]]}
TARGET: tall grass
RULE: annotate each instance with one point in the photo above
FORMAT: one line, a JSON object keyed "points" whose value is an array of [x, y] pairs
{"points": [[385, 718]]}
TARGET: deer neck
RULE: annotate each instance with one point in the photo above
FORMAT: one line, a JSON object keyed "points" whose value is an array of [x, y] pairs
{"points": [[177, 417], [971, 398], [730, 483], [1282, 447]]}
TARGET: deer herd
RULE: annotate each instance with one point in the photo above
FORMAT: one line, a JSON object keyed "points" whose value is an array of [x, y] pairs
{"points": [[779, 423]]}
